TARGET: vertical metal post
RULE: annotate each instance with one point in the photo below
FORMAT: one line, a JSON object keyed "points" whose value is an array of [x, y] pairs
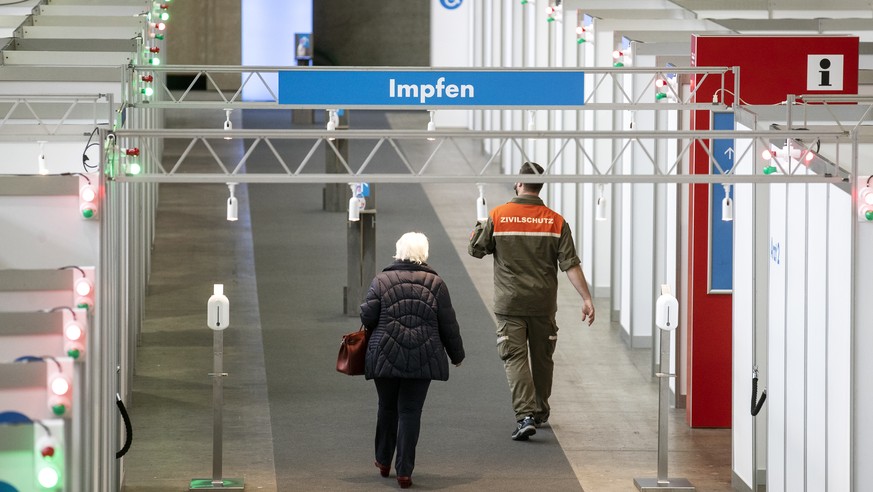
{"points": [[361, 238], [663, 405], [336, 195], [217, 404], [666, 312], [218, 319]]}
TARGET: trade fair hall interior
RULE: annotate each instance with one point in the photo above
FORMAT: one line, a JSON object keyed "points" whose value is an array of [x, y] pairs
{"points": [[196, 195]]}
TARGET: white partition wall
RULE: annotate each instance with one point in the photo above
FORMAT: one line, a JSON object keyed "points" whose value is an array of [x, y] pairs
{"points": [[809, 338]]}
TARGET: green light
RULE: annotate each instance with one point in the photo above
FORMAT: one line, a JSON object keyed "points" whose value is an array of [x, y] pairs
{"points": [[59, 409], [48, 477], [550, 19], [74, 353], [155, 61], [147, 91], [165, 16], [869, 215], [159, 36], [769, 169], [88, 213], [660, 96], [618, 64], [524, 2], [82, 305], [133, 169], [580, 40]]}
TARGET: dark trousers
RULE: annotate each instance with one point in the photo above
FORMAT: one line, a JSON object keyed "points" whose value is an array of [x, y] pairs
{"points": [[399, 421]]}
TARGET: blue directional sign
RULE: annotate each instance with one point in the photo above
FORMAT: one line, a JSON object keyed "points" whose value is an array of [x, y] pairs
{"points": [[431, 88], [721, 238]]}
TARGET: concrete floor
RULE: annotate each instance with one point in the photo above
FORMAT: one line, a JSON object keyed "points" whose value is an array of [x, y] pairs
{"points": [[604, 404]]}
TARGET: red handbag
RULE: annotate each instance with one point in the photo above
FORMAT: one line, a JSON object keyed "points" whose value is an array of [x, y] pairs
{"points": [[352, 353]]}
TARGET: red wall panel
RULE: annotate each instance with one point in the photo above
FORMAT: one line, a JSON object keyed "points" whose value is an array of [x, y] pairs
{"points": [[770, 68]]}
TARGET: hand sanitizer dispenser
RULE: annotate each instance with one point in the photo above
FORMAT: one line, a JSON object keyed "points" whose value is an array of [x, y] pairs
{"points": [[666, 310], [218, 309]]}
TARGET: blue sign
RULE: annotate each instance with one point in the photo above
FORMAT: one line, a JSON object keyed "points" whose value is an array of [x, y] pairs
{"points": [[451, 4], [721, 238], [431, 88]]}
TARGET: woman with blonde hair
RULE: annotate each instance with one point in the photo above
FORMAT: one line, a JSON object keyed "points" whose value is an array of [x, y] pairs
{"points": [[413, 334]]}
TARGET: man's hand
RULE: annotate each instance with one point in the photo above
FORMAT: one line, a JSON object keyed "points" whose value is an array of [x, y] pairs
{"points": [[588, 312]]}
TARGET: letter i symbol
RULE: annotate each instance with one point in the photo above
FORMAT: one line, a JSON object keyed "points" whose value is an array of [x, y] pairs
{"points": [[825, 64]]}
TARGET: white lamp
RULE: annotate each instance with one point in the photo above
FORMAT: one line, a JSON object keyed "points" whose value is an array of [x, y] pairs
{"points": [[600, 208], [356, 203], [431, 126], [232, 204], [40, 161], [727, 205], [228, 125], [481, 205], [332, 119]]}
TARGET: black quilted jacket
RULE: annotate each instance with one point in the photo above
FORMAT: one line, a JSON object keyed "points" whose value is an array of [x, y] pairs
{"points": [[412, 324]]}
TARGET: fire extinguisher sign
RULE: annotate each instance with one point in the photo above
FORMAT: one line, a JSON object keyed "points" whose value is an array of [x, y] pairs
{"points": [[824, 72]]}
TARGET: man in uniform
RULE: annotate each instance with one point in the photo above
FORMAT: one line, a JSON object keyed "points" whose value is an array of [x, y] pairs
{"points": [[529, 242]]}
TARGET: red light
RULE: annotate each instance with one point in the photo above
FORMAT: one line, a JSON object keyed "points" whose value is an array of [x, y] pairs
{"points": [[164, 6], [767, 154], [809, 156], [617, 54], [660, 83], [147, 78], [161, 26], [47, 452], [550, 10], [154, 49], [133, 151]]}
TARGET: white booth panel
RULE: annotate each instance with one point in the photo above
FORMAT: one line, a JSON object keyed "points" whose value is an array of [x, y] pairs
{"points": [[46, 232], [133, 9], [809, 338], [60, 157], [112, 58], [777, 410], [79, 32]]}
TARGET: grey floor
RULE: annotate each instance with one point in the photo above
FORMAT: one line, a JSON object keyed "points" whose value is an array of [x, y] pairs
{"points": [[292, 423]]}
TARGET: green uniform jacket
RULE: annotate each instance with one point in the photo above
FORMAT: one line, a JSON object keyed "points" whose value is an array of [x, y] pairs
{"points": [[529, 242]]}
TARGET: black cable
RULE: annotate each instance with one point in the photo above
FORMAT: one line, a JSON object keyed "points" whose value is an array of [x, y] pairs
{"points": [[72, 266], [63, 307], [88, 145], [757, 407], [128, 429]]}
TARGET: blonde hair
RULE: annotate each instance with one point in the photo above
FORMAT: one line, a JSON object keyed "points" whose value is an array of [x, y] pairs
{"points": [[412, 246]]}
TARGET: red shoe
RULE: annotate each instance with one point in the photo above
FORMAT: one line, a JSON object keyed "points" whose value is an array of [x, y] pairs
{"points": [[383, 470], [405, 482]]}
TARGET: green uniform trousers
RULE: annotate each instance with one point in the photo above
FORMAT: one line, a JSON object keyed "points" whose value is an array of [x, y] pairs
{"points": [[525, 345]]}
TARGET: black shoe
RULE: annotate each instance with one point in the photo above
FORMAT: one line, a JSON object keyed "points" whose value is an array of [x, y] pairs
{"points": [[526, 428], [541, 422]]}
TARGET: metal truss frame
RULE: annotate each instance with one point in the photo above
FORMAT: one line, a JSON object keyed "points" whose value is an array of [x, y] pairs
{"points": [[52, 117], [480, 169]]}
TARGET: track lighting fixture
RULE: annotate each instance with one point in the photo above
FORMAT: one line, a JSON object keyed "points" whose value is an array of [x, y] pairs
{"points": [[232, 204]]}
